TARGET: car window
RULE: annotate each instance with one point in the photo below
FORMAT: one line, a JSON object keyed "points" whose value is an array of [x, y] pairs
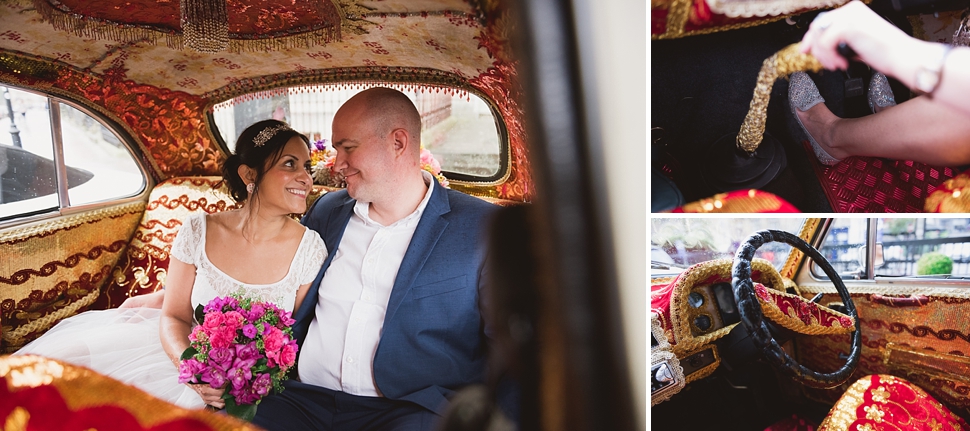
{"points": [[682, 242], [904, 247], [459, 128], [92, 159]]}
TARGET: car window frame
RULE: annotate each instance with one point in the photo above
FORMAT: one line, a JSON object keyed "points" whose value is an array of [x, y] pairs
{"points": [[871, 277], [65, 208], [505, 153]]}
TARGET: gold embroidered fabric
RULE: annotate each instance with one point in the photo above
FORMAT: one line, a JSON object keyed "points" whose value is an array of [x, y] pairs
{"points": [[783, 63]]}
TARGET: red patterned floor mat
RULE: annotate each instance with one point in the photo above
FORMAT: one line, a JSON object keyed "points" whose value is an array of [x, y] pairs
{"points": [[874, 185]]}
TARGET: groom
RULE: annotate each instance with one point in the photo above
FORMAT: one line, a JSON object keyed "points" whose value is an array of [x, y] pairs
{"points": [[391, 327]]}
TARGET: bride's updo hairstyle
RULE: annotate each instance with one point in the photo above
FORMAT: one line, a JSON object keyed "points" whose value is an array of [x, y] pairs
{"points": [[258, 147]]}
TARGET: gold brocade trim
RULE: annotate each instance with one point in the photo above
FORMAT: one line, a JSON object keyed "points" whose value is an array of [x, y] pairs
{"points": [[773, 312], [783, 63], [707, 370], [677, 15], [795, 257], [674, 34], [717, 204], [760, 8], [44, 227], [686, 342], [661, 280], [896, 288], [843, 413], [16, 337]]}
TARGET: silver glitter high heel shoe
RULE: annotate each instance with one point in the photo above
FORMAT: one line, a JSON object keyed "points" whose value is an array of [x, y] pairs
{"points": [[880, 94], [802, 95]]}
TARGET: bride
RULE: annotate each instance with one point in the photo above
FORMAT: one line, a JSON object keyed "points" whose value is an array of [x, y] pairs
{"points": [[256, 250]]}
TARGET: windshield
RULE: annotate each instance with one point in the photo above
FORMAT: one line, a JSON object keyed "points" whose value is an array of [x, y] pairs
{"points": [[677, 243]]}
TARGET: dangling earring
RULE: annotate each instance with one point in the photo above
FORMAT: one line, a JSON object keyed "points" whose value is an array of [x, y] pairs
{"points": [[250, 188]]}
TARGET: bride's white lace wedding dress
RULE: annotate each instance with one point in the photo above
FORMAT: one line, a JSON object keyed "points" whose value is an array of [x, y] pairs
{"points": [[124, 343]]}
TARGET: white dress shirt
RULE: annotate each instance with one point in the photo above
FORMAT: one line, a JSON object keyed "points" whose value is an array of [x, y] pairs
{"points": [[339, 349]]}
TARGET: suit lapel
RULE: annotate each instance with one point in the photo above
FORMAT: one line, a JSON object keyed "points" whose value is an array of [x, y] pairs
{"points": [[426, 235]]}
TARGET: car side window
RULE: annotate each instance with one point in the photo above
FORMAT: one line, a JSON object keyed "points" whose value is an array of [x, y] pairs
{"points": [[45, 168], [903, 247]]}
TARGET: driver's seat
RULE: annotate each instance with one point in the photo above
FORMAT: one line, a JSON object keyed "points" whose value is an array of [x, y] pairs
{"points": [[880, 401]]}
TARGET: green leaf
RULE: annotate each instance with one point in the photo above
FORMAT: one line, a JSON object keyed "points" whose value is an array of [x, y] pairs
{"points": [[199, 314], [245, 412], [188, 353]]}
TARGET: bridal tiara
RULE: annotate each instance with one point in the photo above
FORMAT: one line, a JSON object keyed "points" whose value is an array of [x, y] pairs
{"points": [[268, 134]]}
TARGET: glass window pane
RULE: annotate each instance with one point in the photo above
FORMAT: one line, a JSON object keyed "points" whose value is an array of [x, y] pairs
{"points": [[682, 242], [844, 248], [923, 247], [460, 131], [27, 175], [99, 165]]}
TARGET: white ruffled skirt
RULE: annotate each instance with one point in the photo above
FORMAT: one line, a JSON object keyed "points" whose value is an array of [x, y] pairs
{"points": [[120, 343]]}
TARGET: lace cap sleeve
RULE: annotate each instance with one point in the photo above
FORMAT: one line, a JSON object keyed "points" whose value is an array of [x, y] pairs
{"points": [[187, 240], [313, 258]]}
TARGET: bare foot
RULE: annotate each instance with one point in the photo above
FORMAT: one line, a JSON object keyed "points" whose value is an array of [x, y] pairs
{"points": [[820, 122]]}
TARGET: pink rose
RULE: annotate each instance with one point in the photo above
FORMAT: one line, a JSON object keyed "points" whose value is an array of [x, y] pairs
{"points": [[288, 354], [273, 340]]}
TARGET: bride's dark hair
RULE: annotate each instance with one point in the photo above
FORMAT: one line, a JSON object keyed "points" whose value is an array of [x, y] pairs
{"points": [[259, 143]]}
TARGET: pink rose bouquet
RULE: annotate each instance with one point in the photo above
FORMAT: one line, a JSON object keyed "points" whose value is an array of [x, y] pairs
{"points": [[241, 344]]}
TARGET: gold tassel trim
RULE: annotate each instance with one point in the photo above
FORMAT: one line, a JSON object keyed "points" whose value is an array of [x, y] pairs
{"points": [[126, 33], [782, 63]]}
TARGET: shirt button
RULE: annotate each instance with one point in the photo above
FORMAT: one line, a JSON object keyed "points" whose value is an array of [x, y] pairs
{"points": [[366, 297], [350, 359]]}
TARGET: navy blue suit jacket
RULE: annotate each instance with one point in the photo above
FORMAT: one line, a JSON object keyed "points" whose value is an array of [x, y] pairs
{"points": [[433, 340]]}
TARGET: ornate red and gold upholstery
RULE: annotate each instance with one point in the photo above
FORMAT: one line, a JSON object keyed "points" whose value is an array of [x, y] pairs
{"points": [[669, 300], [883, 402], [678, 18], [739, 201], [46, 395], [56, 268], [144, 265]]}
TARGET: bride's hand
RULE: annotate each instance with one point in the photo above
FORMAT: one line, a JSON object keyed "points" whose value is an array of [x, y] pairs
{"points": [[211, 396]]}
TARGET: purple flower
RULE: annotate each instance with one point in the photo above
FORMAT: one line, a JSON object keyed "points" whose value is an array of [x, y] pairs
{"points": [[262, 384], [221, 358], [266, 327], [214, 377], [249, 330], [241, 372], [320, 145], [247, 352], [188, 369]]}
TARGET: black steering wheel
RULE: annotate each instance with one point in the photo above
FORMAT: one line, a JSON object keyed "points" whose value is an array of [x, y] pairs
{"points": [[752, 317]]}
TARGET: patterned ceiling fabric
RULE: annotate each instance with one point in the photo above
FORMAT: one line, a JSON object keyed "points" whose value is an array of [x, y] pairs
{"points": [[446, 41]]}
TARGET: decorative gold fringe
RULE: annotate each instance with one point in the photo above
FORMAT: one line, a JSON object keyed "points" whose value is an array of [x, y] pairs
{"points": [[782, 63], [108, 30]]}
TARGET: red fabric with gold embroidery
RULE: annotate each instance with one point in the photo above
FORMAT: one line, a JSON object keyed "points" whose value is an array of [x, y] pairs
{"points": [[883, 402]]}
